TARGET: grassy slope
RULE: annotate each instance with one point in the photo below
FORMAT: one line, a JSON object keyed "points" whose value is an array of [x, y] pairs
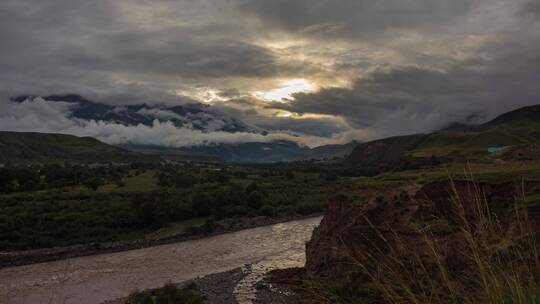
{"points": [[172, 154], [26, 148], [517, 128], [363, 189]]}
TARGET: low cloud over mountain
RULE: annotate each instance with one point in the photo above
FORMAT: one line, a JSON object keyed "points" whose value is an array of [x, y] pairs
{"points": [[312, 71], [178, 126]]}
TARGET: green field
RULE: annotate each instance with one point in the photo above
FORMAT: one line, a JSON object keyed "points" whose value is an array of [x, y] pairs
{"points": [[142, 205]]}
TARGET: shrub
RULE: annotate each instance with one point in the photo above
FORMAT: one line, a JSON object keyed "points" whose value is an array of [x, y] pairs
{"points": [[209, 225], [254, 200], [252, 187], [267, 210], [140, 298], [168, 294]]}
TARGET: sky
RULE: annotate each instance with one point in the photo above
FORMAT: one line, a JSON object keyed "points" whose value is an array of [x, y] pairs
{"points": [[330, 71]]}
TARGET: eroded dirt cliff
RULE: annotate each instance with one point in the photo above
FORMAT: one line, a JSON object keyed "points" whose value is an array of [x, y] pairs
{"points": [[354, 238]]}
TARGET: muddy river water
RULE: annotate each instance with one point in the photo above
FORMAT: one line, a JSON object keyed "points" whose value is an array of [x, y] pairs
{"points": [[95, 279]]}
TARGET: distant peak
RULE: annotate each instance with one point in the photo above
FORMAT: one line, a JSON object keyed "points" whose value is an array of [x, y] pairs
{"points": [[73, 98]]}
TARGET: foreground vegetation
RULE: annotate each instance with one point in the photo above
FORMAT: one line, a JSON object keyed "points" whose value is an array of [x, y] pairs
{"points": [[482, 255], [169, 294]]}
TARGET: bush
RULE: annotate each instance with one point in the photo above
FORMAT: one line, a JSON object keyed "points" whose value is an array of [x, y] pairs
{"points": [[252, 187], [254, 200], [168, 294], [94, 183], [306, 208], [267, 210], [209, 225], [202, 203], [140, 298]]}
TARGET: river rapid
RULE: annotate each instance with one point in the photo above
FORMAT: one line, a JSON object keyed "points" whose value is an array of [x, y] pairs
{"points": [[99, 278]]}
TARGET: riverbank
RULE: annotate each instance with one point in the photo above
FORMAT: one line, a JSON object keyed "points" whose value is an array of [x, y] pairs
{"points": [[104, 277], [281, 286], [277, 286], [19, 258], [214, 288]]}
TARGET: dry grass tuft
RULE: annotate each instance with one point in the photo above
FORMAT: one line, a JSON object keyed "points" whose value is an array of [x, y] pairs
{"points": [[488, 259]]}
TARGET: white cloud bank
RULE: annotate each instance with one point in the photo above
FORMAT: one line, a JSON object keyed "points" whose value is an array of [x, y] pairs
{"points": [[38, 115]]}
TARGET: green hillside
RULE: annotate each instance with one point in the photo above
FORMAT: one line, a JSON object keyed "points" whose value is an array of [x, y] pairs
{"points": [[517, 129], [521, 118], [34, 148], [173, 155]]}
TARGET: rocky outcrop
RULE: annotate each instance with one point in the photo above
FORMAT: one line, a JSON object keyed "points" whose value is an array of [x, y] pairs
{"points": [[352, 237]]}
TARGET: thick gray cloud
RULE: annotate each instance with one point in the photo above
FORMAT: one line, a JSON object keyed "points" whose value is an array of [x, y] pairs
{"points": [[93, 48], [356, 18], [385, 67], [412, 99], [532, 8]]}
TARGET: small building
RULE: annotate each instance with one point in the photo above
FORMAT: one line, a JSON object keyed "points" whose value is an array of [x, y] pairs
{"points": [[493, 150]]}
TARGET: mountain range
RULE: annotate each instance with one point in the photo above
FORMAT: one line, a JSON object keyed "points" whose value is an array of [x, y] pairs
{"points": [[257, 152], [518, 130], [456, 142], [194, 116]]}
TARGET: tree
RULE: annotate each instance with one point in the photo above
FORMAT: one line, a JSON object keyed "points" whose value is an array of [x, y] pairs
{"points": [[222, 177], [94, 183], [6, 181], [254, 200], [289, 174], [183, 180], [202, 203], [330, 176], [146, 209], [252, 188], [119, 182], [435, 161]]}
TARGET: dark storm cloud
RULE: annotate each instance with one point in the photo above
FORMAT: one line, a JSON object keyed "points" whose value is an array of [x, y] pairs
{"points": [[310, 126], [532, 8], [196, 59], [354, 17], [89, 47], [413, 99], [414, 65]]}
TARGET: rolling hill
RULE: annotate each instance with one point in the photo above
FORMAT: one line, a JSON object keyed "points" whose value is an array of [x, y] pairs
{"points": [[516, 128], [250, 152], [33, 148]]}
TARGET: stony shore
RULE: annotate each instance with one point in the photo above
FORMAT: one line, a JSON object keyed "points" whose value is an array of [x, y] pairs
{"points": [[214, 288], [278, 286]]}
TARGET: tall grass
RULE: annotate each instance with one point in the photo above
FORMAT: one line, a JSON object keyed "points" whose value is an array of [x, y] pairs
{"points": [[487, 258]]}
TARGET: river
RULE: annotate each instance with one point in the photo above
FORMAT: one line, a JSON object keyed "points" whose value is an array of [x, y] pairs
{"points": [[98, 278]]}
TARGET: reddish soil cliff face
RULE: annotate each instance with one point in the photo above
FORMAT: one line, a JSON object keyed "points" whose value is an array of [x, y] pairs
{"points": [[352, 237]]}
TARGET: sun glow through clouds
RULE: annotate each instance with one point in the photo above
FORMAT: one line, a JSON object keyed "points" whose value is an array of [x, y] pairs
{"points": [[287, 89]]}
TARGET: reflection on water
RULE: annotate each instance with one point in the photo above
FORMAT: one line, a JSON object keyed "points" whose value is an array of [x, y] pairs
{"points": [[288, 252], [95, 279]]}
